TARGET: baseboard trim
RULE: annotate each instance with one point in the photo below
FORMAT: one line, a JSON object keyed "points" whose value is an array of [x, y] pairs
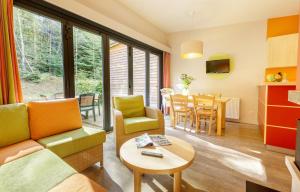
{"points": [[280, 150]]}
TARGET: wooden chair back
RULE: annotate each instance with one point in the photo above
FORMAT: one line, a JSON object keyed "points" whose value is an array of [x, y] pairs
{"points": [[204, 102], [179, 102], [87, 100]]}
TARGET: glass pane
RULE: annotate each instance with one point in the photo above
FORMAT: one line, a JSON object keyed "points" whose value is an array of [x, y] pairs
{"points": [[39, 52], [139, 72], [118, 69], [88, 75], [154, 81]]}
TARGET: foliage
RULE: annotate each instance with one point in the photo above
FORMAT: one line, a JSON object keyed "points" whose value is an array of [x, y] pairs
{"points": [[39, 46], [32, 76], [186, 80]]}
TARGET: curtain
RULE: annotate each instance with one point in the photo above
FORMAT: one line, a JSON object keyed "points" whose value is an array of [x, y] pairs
{"points": [[10, 85], [166, 70]]}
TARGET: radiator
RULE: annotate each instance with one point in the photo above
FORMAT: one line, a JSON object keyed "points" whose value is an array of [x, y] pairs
{"points": [[233, 109]]}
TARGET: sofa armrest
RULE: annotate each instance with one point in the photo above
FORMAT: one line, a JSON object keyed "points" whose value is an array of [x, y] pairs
{"points": [[155, 113]]}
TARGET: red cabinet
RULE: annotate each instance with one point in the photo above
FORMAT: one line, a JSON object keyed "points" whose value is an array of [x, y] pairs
{"points": [[277, 116]]}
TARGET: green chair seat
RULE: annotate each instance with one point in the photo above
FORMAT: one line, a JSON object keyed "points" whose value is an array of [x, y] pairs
{"points": [[37, 172], [74, 141], [136, 124]]}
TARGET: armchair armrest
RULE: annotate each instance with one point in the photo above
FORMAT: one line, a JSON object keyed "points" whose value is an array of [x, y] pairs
{"points": [[118, 120], [155, 113]]}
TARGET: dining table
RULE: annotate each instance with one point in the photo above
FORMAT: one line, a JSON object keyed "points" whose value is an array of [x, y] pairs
{"points": [[221, 111]]}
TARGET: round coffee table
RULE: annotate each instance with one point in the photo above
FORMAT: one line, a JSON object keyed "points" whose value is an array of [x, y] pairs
{"points": [[177, 157]]}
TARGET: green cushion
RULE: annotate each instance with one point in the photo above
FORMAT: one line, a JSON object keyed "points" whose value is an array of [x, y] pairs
{"points": [[74, 141], [37, 172], [136, 124], [14, 124], [130, 106]]}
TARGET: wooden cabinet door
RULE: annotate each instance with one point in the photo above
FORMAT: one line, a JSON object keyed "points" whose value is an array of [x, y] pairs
{"points": [[283, 50]]}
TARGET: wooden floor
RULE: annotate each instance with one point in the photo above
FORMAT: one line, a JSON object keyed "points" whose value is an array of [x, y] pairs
{"points": [[221, 164]]}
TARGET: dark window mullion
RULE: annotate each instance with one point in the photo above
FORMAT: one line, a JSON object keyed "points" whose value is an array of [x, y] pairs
{"points": [[68, 60], [106, 82], [147, 84], [130, 70]]}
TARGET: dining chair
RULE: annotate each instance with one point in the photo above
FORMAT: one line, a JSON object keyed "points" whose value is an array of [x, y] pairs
{"points": [[204, 107], [87, 103], [180, 108]]}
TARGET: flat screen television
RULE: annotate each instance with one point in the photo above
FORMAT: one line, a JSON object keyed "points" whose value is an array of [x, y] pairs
{"points": [[218, 66]]}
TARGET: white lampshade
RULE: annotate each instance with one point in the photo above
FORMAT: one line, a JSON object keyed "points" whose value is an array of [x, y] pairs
{"points": [[192, 49]]}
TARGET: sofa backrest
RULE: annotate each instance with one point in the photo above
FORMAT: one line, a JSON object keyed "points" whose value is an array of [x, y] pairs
{"points": [[48, 118], [13, 124], [130, 106]]}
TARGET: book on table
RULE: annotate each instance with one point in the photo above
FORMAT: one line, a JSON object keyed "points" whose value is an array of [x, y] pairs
{"points": [[146, 140]]}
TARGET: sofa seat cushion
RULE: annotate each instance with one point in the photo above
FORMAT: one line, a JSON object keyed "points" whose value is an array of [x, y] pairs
{"points": [[48, 118], [78, 183], [136, 124], [130, 106], [18, 150], [75, 141], [37, 172], [14, 124]]}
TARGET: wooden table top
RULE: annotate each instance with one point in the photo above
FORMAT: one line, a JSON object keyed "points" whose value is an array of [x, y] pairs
{"points": [[177, 157]]}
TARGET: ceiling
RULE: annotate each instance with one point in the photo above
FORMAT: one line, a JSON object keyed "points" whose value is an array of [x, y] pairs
{"points": [[182, 15]]}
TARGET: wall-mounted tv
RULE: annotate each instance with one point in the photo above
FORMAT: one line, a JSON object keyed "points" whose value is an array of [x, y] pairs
{"points": [[218, 66]]}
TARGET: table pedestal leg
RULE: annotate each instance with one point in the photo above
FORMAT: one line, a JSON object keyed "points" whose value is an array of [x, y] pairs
{"points": [[137, 181], [177, 182]]}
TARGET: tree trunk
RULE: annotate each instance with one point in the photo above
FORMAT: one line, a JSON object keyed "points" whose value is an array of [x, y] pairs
{"points": [[22, 51]]}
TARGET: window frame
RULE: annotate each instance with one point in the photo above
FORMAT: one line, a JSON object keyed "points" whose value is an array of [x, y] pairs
{"points": [[70, 20]]}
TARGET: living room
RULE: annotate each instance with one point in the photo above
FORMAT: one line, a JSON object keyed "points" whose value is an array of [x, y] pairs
{"points": [[211, 85]]}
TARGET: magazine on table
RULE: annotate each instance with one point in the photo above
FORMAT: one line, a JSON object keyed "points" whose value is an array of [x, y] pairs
{"points": [[146, 140]]}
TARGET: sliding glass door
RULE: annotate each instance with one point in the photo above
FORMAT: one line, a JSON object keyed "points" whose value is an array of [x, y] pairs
{"points": [[88, 63], [62, 55]]}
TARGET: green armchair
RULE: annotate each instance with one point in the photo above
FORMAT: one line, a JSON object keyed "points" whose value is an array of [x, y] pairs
{"points": [[131, 119]]}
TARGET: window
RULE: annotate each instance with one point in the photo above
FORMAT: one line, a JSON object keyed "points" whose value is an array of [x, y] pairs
{"points": [[61, 54], [118, 68], [88, 62], [139, 72], [154, 80], [39, 52]]}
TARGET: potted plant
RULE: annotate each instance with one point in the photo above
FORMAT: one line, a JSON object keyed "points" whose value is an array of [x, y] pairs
{"points": [[186, 81]]}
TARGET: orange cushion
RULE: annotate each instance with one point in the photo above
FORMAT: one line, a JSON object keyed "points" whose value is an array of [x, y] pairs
{"points": [[15, 151], [48, 118], [78, 183]]}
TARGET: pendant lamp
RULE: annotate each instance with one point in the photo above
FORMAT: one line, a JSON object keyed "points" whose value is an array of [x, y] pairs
{"points": [[192, 49]]}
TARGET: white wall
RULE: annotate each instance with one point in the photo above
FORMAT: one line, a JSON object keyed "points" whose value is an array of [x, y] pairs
{"points": [[246, 43], [135, 27]]}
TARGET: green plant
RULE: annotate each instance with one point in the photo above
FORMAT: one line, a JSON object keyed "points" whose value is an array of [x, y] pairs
{"points": [[186, 80], [34, 77]]}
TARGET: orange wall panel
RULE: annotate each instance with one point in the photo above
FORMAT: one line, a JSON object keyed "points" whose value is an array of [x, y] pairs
{"points": [[283, 26], [298, 68]]}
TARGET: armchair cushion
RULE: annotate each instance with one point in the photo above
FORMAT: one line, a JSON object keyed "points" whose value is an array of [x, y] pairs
{"points": [[13, 124], [130, 106], [75, 141], [136, 124], [48, 118]]}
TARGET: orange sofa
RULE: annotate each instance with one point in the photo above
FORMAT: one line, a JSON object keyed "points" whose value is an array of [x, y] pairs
{"points": [[39, 142]]}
